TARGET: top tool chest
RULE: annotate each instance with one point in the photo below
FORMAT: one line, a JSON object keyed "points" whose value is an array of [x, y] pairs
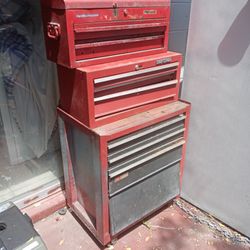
{"points": [[81, 32]]}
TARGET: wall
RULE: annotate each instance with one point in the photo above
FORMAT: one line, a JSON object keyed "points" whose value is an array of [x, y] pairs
{"points": [[217, 82], [180, 12]]}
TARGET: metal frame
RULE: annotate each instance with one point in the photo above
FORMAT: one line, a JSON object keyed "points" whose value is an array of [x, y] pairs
{"points": [[100, 138]]}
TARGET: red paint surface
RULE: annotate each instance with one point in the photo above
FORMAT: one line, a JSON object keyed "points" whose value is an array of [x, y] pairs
{"points": [[77, 88], [43, 208], [87, 34]]}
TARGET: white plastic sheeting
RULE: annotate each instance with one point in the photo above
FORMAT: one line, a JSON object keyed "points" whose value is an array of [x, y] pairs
{"points": [[28, 103]]}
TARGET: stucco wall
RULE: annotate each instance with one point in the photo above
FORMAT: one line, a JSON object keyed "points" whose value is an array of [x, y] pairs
{"points": [[179, 23], [217, 82]]}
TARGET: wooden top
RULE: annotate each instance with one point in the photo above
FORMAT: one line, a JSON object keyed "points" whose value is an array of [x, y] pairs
{"points": [[141, 118]]}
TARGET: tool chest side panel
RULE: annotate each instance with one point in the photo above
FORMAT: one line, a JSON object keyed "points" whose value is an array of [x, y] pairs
{"points": [[82, 156], [74, 95], [87, 153]]}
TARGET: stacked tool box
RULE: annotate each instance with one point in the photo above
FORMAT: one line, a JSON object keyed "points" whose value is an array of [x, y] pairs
{"points": [[123, 129]]}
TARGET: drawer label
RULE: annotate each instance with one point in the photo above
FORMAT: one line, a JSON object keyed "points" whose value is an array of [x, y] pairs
{"points": [[150, 12], [121, 177], [163, 61]]}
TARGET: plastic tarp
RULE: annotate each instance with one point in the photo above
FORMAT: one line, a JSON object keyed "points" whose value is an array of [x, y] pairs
{"points": [[30, 86]]}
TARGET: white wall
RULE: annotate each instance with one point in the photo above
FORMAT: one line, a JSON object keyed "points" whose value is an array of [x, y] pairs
{"points": [[217, 82]]}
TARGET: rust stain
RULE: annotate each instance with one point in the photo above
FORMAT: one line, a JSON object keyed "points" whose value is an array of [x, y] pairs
{"points": [[54, 190], [31, 200], [38, 188]]}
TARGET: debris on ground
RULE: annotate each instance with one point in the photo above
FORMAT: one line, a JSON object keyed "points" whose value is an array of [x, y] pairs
{"points": [[216, 226]]}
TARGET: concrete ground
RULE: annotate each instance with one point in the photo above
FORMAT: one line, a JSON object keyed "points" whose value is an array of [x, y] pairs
{"points": [[171, 229]]}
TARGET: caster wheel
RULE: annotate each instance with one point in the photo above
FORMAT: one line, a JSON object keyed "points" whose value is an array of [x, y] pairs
{"points": [[62, 211], [111, 246]]}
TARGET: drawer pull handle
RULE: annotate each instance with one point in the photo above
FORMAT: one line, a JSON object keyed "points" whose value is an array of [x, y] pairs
{"points": [[147, 158], [134, 81], [144, 71], [143, 178], [137, 90], [144, 146], [78, 29], [115, 42], [116, 143], [138, 67], [53, 30]]}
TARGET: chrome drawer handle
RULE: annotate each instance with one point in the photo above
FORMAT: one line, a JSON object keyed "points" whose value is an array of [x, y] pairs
{"points": [[147, 158], [53, 30]]}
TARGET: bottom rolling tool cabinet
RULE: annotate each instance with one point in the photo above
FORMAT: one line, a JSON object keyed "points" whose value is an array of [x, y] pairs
{"points": [[117, 174]]}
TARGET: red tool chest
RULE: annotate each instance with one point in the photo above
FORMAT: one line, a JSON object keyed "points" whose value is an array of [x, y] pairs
{"points": [[117, 174], [84, 32], [96, 95]]}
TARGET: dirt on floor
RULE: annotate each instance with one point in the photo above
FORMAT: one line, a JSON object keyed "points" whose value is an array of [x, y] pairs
{"points": [[170, 229]]}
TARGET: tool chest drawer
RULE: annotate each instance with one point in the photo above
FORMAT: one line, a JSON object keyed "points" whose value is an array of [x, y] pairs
{"points": [[138, 155], [118, 173], [84, 32], [136, 202], [96, 95]]}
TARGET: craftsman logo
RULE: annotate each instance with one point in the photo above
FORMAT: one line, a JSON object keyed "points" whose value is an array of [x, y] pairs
{"points": [[150, 12], [87, 15], [163, 61]]}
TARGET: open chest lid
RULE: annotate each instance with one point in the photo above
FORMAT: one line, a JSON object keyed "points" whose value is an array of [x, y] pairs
{"points": [[103, 4]]}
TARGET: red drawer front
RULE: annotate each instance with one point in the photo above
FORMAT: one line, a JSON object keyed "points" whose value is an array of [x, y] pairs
{"points": [[99, 94], [77, 38]]}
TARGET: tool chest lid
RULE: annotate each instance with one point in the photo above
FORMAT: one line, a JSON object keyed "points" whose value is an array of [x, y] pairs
{"points": [[88, 4]]}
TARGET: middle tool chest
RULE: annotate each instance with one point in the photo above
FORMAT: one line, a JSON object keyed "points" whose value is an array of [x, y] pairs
{"points": [[96, 95], [117, 174], [83, 32]]}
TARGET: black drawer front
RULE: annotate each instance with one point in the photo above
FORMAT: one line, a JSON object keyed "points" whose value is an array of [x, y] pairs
{"points": [[136, 202], [135, 175], [147, 136], [137, 148]]}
